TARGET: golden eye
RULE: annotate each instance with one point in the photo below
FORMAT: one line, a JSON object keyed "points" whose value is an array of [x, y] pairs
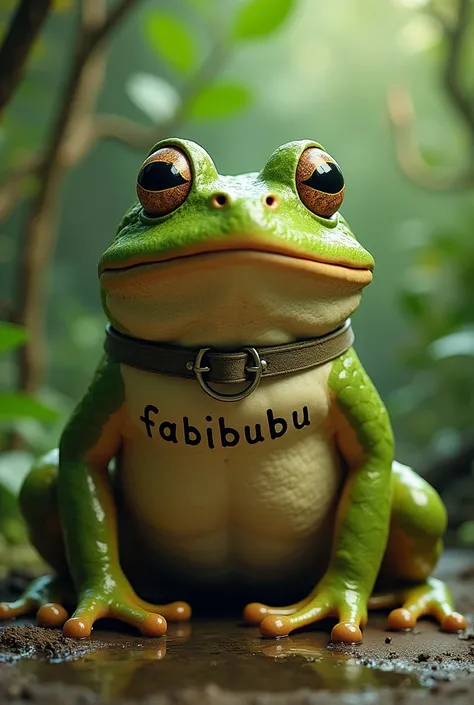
{"points": [[164, 181], [320, 182]]}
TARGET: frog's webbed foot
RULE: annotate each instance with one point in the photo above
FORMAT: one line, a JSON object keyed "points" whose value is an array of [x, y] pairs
{"points": [[47, 595], [280, 621], [173, 611], [122, 603], [430, 598], [254, 612]]}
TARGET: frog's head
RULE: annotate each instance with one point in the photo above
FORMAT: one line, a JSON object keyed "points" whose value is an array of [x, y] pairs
{"points": [[205, 259]]}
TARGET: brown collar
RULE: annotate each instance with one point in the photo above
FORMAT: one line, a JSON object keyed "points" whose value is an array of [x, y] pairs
{"points": [[246, 366]]}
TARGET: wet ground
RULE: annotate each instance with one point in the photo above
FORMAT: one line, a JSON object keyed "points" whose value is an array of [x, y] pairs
{"points": [[221, 661]]}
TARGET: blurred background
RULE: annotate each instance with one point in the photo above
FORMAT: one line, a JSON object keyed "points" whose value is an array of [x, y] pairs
{"points": [[386, 87]]}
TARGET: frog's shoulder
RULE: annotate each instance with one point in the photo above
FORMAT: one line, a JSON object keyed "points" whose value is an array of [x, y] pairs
{"points": [[103, 397], [357, 398]]}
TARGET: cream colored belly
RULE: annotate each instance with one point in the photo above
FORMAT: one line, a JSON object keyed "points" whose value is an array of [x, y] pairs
{"points": [[213, 503]]}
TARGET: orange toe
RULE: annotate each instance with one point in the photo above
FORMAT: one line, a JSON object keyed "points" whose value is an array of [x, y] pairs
{"points": [[454, 622], [77, 628], [400, 619], [153, 625], [6, 611], [178, 612], [275, 625], [347, 632], [51, 615], [255, 612]]}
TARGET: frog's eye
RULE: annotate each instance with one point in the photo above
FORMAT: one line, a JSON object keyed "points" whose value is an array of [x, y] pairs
{"points": [[164, 181], [320, 182]]}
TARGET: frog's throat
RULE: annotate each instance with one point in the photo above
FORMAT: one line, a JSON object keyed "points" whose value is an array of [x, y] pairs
{"points": [[224, 367], [228, 299]]}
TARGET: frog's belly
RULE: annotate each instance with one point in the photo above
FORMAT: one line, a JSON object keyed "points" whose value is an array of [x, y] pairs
{"points": [[211, 503]]}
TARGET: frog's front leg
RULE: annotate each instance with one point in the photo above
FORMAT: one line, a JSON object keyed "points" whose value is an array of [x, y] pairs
{"points": [[363, 435], [88, 514]]}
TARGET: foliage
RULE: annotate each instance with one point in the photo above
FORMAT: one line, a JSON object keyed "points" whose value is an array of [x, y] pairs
{"points": [[438, 405], [259, 18], [219, 100], [18, 132], [15, 464], [15, 405], [174, 42], [436, 409]]}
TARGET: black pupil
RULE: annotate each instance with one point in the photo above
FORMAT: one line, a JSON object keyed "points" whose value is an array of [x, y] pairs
{"points": [[159, 176], [327, 177]]}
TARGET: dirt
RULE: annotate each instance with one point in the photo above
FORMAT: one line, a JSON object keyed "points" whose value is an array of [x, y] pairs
{"points": [[221, 662], [424, 653], [29, 641]]}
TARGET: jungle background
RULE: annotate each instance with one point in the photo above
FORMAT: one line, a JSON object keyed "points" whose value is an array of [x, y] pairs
{"points": [[87, 87]]}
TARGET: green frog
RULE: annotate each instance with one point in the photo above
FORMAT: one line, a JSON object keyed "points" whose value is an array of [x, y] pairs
{"points": [[277, 488]]}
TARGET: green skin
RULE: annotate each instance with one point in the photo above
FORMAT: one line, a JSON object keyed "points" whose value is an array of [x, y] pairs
{"points": [[377, 493]]}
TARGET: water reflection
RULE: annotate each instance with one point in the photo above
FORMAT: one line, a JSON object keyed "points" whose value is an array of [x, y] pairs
{"points": [[194, 655]]}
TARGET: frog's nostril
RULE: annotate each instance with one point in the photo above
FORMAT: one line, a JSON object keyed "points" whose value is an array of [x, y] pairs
{"points": [[220, 200], [272, 201]]}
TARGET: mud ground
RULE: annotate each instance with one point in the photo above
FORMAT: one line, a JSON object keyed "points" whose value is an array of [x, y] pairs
{"points": [[222, 662]]}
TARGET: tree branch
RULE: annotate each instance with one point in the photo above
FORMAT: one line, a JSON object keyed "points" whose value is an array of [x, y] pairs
{"points": [[115, 127], [85, 78], [410, 159], [89, 129], [116, 15], [12, 186], [25, 26], [402, 115], [131, 133], [452, 73]]}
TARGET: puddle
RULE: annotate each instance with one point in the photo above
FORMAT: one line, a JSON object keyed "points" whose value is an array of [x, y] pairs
{"points": [[117, 665], [235, 658], [215, 661]]}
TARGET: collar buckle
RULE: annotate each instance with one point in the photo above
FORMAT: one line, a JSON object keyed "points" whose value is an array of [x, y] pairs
{"points": [[256, 368]]}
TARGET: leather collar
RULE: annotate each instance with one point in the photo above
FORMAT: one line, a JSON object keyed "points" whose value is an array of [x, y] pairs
{"points": [[247, 365]]}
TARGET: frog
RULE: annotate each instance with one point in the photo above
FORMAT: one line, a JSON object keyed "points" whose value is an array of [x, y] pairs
{"points": [[283, 495]]}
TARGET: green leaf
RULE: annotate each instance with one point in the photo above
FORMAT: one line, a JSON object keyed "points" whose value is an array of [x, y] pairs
{"points": [[456, 344], [157, 98], [15, 405], [219, 101], [171, 40], [259, 18], [11, 336]]}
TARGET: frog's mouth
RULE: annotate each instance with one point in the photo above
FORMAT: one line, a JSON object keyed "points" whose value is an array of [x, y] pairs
{"points": [[116, 274]]}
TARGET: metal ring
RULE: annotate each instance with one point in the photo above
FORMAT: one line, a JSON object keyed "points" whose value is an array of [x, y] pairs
{"points": [[256, 369]]}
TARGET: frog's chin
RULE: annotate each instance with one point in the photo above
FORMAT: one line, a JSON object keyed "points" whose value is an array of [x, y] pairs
{"points": [[249, 298]]}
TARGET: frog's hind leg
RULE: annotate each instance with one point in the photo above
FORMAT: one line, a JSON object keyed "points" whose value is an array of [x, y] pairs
{"points": [[431, 597], [48, 594], [414, 546]]}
